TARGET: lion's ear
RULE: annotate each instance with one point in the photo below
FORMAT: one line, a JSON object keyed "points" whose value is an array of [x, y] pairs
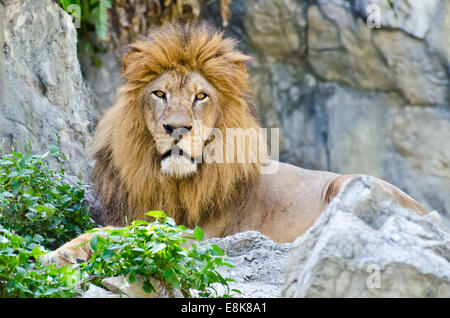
{"points": [[239, 59], [129, 53]]}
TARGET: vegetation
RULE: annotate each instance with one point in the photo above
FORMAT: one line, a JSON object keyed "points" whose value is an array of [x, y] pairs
{"points": [[37, 202], [22, 275], [40, 210], [155, 250]]}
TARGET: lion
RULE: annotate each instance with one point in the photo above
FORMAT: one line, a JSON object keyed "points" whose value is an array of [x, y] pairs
{"points": [[147, 156]]}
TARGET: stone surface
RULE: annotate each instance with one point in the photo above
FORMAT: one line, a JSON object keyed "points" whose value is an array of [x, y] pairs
{"points": [[98, 292], [120, 285], [41, 88], [104, 79], [259, 264], [364, 245]]}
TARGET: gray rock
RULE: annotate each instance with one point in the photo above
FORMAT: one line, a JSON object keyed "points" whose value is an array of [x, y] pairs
{"points": [[412, 17], [41, 87], [259, 264], [420, 156], [364, 245], [104, 79], [120, 285], [98, 292]]}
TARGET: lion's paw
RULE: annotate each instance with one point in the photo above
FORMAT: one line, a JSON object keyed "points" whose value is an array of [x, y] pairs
{"points": [[65, 255]]}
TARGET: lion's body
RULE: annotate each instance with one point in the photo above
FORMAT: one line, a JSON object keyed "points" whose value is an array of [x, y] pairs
{"points": [[223, 198]]}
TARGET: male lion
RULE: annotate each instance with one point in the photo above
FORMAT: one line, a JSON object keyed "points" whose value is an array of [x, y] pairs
{"points": [[146, 157]]}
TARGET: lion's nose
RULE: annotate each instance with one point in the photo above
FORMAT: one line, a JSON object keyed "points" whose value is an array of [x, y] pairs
{"points": [[179, 131]]}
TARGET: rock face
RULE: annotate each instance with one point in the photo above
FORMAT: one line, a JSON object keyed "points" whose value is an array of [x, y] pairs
{"points": [[354, 99], [41, 88], [364, 245], [260, 264]]}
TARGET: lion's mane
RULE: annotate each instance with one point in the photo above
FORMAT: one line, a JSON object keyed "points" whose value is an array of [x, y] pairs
{"points": [[126, 176]]}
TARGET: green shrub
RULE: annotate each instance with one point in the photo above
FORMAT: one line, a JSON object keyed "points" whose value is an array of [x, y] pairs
{"points": [[37, 203], [39, 210], [155, 250], [22, 275]]}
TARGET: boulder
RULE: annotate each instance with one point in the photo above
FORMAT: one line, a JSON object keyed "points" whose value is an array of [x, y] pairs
{"points": [[259, 264], [364, 245], [41, 88], [120, 285]]}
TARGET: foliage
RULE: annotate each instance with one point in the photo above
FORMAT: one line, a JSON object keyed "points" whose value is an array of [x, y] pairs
{"points": [[155, 250], [91, 17], [93, 14], [37, 203], [22, 275], [39, 210]]}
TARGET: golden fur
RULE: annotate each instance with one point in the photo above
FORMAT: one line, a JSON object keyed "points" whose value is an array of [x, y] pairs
{"points": [[127, 176]]}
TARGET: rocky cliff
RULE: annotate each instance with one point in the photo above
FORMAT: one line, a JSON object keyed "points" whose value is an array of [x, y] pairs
{"points": [[41, 88]]}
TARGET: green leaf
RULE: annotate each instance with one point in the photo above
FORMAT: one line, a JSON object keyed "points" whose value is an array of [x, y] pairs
{"points": [[217, 250], [107, 254], [64, 3], [132, 277], [198, 233], [37, 252], [54, 150], [148, 286], [158, 247], [156, 214], [15, 187], [94, 242], [100, 15], [21, 270]]}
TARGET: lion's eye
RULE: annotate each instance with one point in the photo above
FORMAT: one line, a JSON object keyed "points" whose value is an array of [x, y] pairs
{"points": [[159, 94], [200, 96]]}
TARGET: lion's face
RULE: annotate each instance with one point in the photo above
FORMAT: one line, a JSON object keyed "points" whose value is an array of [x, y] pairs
{"points": [[177, 110]]}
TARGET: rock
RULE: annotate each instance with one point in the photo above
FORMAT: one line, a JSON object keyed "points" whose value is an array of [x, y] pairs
{"points": [[420, 158], [41, 87], [259, 264], [121, 285], [98, 292], [104, 79], [364, 245], [276, 28], [412, 17]]}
